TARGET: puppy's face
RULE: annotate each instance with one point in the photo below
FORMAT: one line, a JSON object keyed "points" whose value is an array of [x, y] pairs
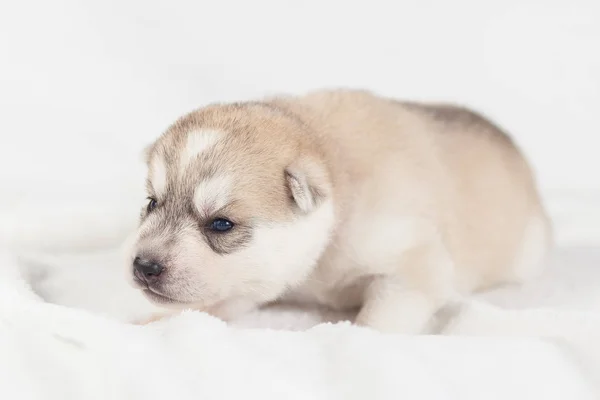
{"points": [[236, 209]]}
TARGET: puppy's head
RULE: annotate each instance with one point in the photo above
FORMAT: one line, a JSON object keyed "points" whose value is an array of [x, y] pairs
{"points": [[239, 207]]}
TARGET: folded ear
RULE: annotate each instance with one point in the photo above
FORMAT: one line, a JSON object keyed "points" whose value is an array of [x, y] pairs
{"points": [[308, 182]]}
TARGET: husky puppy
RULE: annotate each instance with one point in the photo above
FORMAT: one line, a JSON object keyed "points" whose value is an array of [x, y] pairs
{"points": [[337, 197]]}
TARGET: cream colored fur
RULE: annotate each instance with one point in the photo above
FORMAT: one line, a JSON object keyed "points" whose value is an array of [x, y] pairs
{"points": [[397, 208]]}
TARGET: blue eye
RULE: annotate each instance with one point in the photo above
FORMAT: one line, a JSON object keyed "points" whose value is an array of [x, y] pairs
{"points": [[151, 205], [221, 225]]}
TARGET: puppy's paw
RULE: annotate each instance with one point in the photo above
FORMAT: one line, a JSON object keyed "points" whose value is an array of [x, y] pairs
{"points": [[152, 318]]}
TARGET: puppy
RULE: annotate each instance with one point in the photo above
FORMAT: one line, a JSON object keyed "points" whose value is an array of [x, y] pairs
{"points": [[337, 197]]}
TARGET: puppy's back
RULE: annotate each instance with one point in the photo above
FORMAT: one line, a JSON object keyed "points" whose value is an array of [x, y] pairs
{"points": [[472, 176], [495, 190]]}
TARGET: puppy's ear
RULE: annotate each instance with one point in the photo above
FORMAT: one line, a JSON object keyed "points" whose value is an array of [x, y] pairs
{"points": [[308, 183]]}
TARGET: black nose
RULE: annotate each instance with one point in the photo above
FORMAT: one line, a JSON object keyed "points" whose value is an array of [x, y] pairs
{"points": [[148, 270]]}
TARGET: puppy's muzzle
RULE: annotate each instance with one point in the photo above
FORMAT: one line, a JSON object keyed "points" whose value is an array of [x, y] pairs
{"points": [[147, 271]]}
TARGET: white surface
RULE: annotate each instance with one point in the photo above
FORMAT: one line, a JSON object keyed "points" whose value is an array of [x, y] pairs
{"points": [[84, 85], [52, 352]]}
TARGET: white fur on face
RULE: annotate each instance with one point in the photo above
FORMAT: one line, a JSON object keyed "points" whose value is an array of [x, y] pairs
{"points": [[158, 175], [212, 194], [286, 253], [280, 256], [198, 142]]}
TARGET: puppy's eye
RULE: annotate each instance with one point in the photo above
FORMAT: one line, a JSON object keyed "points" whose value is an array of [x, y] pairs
{"points": [[151, 204], [221, 225]]}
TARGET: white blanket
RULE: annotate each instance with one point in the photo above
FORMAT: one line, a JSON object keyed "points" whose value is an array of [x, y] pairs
{"points": [[51, 351]]}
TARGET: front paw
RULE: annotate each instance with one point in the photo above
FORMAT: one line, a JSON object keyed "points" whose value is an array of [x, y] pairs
{"points": [[394, 310], [152, 318]]}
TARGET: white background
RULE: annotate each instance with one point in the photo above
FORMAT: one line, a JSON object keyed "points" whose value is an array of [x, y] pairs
{"points": [[85, 84]]}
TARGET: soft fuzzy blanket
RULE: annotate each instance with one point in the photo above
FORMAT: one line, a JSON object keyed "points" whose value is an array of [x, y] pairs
{"points": [[537, 341]]}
